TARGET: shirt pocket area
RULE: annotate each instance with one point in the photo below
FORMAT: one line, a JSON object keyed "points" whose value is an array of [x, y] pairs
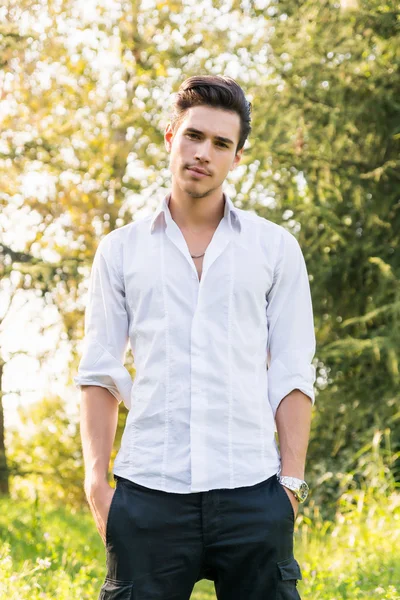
{"points": [[288, 575], [116, 590]]}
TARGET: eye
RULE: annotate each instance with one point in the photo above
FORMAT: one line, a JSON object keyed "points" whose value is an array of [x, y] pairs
{"points": [[222, 145], [192, 135]]}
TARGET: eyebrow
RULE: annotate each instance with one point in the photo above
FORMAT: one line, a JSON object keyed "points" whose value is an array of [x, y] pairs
{"points": [[217, 137]]}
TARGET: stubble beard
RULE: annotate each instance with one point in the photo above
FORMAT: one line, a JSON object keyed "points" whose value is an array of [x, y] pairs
{"points": [[193, 193], [198, 195]]}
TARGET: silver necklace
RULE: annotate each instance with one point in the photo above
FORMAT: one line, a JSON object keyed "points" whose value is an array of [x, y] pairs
{"points": [[200, 255]]}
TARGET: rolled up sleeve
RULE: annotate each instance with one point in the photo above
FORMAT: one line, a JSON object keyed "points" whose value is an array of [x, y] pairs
{"points": [[291, 338], [106, 325]]}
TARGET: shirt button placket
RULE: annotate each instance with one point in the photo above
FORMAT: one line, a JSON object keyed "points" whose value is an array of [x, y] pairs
{"points": [[198, 411]]}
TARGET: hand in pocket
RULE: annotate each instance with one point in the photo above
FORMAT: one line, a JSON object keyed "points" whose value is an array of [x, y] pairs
{"points": [[294, 502], [100, 498]]}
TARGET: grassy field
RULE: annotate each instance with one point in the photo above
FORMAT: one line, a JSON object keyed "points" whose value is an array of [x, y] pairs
{"points": [[50, 553]]}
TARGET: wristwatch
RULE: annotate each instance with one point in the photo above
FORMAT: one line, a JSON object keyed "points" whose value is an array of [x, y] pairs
{"points": [[297, 486]]}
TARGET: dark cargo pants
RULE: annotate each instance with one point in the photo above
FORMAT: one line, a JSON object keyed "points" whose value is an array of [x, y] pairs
{"points": [[159, 544]]}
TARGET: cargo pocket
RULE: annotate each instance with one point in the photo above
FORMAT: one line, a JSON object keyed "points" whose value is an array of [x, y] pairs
{"points": [[288, 575], [116, 590]]}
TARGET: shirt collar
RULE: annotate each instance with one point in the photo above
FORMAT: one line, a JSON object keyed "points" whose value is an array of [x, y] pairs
{"points": [[163, 213]]}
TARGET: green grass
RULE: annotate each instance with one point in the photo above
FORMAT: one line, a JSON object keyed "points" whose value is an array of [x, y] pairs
{"points": [[48, 553]]}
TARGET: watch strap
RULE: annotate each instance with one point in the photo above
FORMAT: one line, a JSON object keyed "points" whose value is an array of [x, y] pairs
{"points": [[297, 486]]}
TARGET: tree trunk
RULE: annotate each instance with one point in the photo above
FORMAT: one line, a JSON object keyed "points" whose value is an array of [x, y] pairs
{"points": [[4, 485]]}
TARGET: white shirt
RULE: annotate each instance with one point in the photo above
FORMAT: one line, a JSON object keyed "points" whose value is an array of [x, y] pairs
{"points": [[202, 403]]}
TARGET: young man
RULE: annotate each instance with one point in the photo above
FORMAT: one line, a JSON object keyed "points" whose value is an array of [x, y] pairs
{"points": [[216, 304]]}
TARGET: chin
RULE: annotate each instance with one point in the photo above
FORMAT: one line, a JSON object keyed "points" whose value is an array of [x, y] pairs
{"points": [[196, 193], [193, 190]]}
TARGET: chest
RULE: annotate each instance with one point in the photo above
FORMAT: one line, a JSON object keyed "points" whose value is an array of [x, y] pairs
{"points": [[161, 277]]}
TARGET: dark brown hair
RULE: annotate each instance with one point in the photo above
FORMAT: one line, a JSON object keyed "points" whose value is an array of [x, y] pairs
{"points": [[217, 91]]}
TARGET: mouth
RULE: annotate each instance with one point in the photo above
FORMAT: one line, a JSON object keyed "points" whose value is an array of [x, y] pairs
{"points": [[198, 173]]}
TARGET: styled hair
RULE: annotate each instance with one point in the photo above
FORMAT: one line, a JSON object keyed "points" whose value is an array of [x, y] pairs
{"points": [[217, 91]]}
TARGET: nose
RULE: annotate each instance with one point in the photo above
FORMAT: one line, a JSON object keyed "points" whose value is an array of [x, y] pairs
{"points": [[203, 150]]}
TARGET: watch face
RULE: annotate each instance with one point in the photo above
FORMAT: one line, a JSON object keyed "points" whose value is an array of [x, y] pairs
{"points": [[303, 491]]}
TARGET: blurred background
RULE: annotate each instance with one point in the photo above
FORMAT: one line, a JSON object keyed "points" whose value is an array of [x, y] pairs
{"points": [[85, 93]]}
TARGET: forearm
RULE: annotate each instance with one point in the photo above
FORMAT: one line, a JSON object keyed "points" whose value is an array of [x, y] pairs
{"points": [[293, 421], [98, 424]]}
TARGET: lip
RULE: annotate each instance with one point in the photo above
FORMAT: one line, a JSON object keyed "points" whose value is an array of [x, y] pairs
{"points": [[197, 172]]}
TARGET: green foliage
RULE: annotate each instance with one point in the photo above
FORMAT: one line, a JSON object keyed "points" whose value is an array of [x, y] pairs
{"points": [[45, 453], [45, 456], [47, 553], [370, 469], [353, 555]]}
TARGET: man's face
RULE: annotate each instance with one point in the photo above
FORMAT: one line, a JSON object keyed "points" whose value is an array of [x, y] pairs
{"points": [[203, 149]]}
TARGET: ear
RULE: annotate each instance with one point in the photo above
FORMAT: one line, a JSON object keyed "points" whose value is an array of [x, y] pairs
{"points": [[237, 159], [168, 135]]}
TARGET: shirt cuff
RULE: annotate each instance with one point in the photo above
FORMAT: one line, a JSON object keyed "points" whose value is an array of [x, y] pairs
{"points": [[99, 367], [282, 381]]}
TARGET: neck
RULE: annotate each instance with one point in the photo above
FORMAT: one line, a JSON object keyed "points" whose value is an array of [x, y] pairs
{"points": [[197, 214]]}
